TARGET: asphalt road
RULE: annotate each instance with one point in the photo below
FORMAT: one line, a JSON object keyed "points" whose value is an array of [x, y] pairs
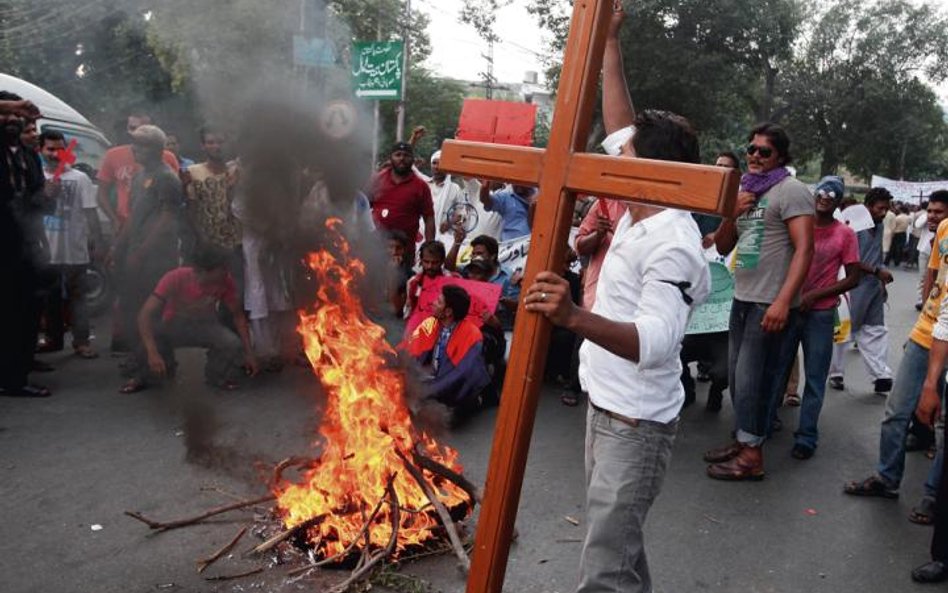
{"points": [[71, 464]]}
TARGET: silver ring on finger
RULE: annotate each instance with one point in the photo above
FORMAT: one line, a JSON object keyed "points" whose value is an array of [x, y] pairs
{"points": [[542, 297]]}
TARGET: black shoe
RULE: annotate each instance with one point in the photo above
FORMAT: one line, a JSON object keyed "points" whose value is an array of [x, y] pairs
{"points": [[715, 398], [882, 385], [801, 452], [837, 383], [930, 572]]}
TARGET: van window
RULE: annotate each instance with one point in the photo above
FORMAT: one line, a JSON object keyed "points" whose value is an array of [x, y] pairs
{"points": [[89, 148]]}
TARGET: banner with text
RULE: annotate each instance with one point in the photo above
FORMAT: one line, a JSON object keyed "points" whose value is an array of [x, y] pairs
{"points": [[913, 192], [377, 69]]}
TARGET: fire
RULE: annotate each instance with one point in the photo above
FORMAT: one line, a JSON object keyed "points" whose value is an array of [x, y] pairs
{"points": [[365, 424]]}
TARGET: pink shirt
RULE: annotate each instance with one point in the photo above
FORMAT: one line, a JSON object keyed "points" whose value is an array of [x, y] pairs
{"points": [[834, 246], [615, 208]]}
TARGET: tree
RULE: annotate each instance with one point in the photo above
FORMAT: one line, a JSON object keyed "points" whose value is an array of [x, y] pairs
{"points": [[853, 95], [714, 61]]}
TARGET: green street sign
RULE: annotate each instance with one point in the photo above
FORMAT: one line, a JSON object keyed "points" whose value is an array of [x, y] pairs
{"points": [[377, 69]]}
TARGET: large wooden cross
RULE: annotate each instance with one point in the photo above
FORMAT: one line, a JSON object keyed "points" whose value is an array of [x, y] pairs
{"points": [[561, 171]]}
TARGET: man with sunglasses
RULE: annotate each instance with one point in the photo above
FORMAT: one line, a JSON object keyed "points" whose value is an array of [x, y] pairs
{"points": [[772, 229]]}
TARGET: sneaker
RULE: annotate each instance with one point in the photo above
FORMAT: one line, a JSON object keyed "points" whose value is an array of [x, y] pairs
{"points": [[882, 385], [837, 383]]}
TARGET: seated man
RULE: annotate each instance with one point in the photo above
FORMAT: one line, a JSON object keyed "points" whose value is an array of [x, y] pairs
{"points": [[449, 348], [432, 268], [187, 300]]}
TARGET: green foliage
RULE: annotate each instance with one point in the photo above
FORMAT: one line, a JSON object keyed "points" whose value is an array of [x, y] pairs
{"points": [[433, 103], [844, 76]]}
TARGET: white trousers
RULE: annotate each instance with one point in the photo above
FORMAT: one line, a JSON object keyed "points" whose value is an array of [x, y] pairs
{"points": [[873, 343]]}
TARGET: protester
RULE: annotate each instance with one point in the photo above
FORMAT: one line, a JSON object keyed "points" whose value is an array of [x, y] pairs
{"points": [[23, 249], [185, 310], [909, 380], [446, 196], [900, 226], [834, 247], [432, 268], [209, 188], [147, 245], [30, 135], [928, 410], [402, 262], [487, 250], [867, 302], [652, 275], [174, 147], [772, 230], [449, 348], [70, 230], [515, 205], [400, 197], [118, 169]]}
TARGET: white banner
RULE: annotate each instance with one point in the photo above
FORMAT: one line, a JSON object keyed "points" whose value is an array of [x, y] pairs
{"points": [[912, 192]]}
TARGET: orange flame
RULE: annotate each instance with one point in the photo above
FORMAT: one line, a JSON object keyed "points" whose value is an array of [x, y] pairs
{"points": [[365, 423]]}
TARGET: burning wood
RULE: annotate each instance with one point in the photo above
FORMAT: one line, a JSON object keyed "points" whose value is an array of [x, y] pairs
{"points": [[381, 486]]}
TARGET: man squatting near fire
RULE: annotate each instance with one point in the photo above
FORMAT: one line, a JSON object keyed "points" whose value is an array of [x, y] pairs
{"points": [[653, 275]]}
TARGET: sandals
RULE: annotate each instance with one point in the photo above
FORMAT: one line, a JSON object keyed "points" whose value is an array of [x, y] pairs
{"points": [[133, 386], [871, 486], [569, 399], [924, 512], [792, 400], [85, 351]]}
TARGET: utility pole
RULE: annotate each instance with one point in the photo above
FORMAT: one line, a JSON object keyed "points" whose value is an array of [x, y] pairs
{"points": [[376, 111], [400, 128]]}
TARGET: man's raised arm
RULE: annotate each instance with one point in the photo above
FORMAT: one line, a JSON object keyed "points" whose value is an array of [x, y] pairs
{"points": [[617, 109]]}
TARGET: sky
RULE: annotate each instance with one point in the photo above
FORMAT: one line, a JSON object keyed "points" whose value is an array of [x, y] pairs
{"points": [[457, 50]]}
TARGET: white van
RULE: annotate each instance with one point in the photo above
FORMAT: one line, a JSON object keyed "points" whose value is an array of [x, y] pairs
{"points": [[91, 143]]}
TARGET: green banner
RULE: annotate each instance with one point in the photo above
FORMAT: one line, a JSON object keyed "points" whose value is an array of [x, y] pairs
{"points": [[377, 69]]}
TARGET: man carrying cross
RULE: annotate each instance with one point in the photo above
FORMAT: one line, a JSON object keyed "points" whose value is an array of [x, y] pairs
{"points": [[653, 274]]}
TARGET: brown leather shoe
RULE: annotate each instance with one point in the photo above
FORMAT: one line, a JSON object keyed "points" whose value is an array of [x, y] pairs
{"points": [[747, 465], [725, 453]]}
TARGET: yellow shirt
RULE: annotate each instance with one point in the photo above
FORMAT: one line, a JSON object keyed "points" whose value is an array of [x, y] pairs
{"points": [[922, 332]]}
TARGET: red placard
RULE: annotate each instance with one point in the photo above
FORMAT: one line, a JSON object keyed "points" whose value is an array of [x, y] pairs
{"points": [[484, 296], [500, 122]]}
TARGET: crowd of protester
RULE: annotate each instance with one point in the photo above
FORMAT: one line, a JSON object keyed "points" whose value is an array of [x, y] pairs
{"points": [[191, 271]]}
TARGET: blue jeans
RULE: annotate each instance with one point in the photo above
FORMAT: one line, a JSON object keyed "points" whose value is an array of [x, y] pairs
{"points": [[815, 332], [756, 367], [899, 408]]}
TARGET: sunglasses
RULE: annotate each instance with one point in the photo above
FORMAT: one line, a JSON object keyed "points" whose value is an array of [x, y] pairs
{"points": [[764, 151]]}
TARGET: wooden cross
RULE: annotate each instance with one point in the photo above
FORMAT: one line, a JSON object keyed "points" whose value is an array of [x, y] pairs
{"points": [[560, 171]]}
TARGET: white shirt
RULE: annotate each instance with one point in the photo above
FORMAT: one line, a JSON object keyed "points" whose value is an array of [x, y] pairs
{"points": [[67, 229], [634, 287], [444, 196]]}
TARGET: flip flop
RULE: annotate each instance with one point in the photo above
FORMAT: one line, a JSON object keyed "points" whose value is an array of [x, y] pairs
{"points": [[569, 399], [133, 386]]}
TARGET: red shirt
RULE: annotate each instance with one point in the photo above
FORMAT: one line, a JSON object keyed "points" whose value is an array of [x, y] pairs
{"points": [[185, 296], [399, 205], [119, 167]]}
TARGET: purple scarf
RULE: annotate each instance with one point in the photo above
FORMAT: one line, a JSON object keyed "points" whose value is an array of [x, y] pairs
{"points": [[760, 183]]}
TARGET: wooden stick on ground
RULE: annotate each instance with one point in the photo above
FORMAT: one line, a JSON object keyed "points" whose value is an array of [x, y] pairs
{"points": [[386, 553], [443, 513], [352, 544], [203, 564], [449, 474], [166, 526], [231, 577], [279, 468], [285, 535]]}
